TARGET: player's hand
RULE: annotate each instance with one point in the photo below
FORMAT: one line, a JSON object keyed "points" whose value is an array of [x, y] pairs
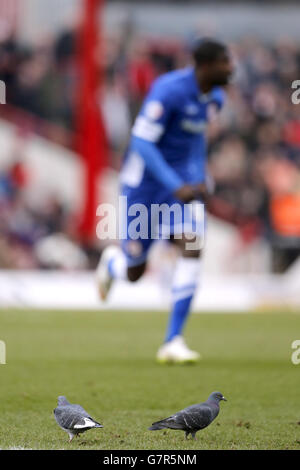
{"points": [[201, 192], [186, 193], [190, 192]]}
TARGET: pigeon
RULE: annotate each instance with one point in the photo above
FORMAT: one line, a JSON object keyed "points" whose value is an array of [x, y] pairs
{"points": [[73, 418], [193, 418]]}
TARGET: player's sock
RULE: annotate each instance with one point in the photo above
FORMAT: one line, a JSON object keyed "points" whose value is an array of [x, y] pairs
{"points": [[185, 281], [117, 266]]}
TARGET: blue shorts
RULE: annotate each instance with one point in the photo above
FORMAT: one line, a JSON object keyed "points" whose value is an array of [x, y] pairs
{"points": [[153, 214]]}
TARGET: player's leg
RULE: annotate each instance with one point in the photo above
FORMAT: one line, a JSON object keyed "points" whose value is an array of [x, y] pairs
{"points": [[116, 264], [185, 281], [127, 261], [189, 239]]}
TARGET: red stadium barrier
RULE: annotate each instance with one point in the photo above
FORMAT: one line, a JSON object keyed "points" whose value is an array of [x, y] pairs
{"points": [[92, 143]]}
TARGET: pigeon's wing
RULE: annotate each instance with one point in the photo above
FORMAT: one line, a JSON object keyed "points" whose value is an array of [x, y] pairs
{"points": [[84, 413], [175, 421], [192, 418], [198, 416], [80, 410], [69, 418], [180, 420]]}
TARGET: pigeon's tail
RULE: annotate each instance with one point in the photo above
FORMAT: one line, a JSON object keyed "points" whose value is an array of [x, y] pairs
{"points": [[158, 425], [95, 423], [98, 425], [88, 423]]}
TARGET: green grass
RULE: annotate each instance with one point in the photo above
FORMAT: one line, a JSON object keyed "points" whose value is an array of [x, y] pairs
{"points": [[105, 362]]}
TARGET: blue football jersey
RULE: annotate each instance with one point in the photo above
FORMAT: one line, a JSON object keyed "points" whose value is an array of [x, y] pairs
{"points": [[174, 116]]}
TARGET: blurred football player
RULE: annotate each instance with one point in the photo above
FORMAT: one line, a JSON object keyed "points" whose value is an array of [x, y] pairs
{"points": [[165, 163]]}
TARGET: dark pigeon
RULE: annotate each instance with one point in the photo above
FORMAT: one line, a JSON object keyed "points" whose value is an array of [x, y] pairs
{"points": [[193, 418], [73, 418]]}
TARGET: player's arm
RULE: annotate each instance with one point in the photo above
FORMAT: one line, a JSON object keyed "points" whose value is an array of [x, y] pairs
{"points": [[161, 171], [156, 163]]}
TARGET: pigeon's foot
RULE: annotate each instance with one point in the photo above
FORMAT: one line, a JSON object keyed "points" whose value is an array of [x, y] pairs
{"points": [[71, 436], [177, 352], [192, 433], [103, 278]]}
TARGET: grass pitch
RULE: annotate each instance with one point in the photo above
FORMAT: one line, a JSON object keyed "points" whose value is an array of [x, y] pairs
{"points": [[105, 362]]}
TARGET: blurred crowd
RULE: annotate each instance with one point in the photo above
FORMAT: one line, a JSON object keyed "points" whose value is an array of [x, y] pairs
{"points": [[36, 234], [254, 147]]}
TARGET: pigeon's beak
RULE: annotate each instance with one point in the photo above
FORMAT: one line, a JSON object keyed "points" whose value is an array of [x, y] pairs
{"points": [[223, 398]]}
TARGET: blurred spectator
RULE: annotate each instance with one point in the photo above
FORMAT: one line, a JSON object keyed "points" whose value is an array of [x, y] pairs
{"points": [[140, 74], [31, 237], [116, 114]]}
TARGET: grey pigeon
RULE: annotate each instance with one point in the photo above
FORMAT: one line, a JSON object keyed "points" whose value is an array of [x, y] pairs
{"points": [[73, 418], [193, 418]]}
